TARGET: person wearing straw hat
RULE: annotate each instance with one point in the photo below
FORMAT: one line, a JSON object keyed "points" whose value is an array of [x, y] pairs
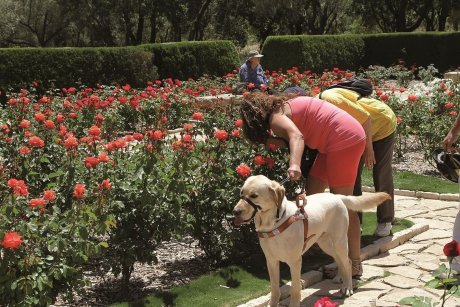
{"points": [[252, 75]]}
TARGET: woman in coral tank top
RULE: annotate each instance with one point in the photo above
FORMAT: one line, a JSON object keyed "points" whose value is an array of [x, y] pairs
{"points": [[298, 121]]}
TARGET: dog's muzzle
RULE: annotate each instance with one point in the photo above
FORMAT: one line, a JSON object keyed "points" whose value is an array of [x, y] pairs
{"points": [[237, 212]]}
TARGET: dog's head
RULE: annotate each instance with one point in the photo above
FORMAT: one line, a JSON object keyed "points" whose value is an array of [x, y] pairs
{"points": [[265, 195]]}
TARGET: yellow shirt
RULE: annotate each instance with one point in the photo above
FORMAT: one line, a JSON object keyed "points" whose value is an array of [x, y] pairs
{"points": [[383, 119]]}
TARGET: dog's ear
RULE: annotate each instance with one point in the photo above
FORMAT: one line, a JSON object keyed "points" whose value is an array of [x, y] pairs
{"points": [[278, 193]]}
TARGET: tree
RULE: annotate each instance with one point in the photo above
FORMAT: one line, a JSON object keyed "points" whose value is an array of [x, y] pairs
{"points": [[40, 22], [394, 15]]}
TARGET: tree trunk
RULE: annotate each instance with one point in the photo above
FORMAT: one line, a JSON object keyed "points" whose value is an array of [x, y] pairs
{"points": [[140, 27], [153, 27], [446, 8], [197, 27]]}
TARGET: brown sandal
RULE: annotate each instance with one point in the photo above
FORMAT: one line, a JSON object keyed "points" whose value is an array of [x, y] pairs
{"points": [[356, 268]]}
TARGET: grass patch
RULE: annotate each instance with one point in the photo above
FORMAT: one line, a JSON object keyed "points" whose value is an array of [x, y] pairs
{"points": [[234, 285], [404, 180]]}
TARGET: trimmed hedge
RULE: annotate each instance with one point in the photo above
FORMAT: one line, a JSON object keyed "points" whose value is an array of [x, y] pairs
{"points": [[185, 60], [353, 52], [418, 49], [66, 66], [314, 52]]}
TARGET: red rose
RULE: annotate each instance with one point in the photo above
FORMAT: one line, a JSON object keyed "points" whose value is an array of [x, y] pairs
{"points": [[94, 130], [79, 191], [37, 202], [103, 157], [91, 162], [120, 143], [155, 135], [138, 136], [325, 302], [384, 97], [270, 162], [272, 147], [243, 170], [176, 145], [198, 116], [24, 124], [236, 133], [39, 117], [12, 240], [19, 187], [35, 141], [187, 138], [49, 124], [239, 123], [71, 142], [105, 185], [412, 98], [188, 126], [221, 135], [24, 150], [49, 195], [452, 249], [259, 160]]}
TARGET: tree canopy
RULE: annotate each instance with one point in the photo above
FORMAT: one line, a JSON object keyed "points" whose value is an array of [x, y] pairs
{"points": [[59, 23]]}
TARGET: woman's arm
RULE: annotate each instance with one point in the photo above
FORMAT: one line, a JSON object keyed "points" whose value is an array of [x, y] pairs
{"points": [[369, 157], [452, 135], [285, 128]]}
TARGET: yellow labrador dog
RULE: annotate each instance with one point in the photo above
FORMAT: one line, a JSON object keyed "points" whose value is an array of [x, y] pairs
{"points": [[286, 232]]}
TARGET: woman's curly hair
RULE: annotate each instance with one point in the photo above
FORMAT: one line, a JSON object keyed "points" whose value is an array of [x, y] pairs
{"points": [[255, 112]]}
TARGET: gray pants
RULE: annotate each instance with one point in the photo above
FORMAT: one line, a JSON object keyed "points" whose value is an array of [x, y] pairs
{"points": [[382, 174]]}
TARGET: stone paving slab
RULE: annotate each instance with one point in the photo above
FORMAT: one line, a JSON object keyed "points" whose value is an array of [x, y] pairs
{"points": [[398, 266]]}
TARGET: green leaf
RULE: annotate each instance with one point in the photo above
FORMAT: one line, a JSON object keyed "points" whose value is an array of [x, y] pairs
{"points": [[104, 244], [434, 283], [56, 174], [44, 160]]}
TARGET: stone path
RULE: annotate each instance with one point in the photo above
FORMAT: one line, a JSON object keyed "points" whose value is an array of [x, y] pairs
{"points": [[397, 266]]}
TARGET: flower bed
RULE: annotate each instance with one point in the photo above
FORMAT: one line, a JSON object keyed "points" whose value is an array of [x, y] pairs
{"points": [[92, 170]]}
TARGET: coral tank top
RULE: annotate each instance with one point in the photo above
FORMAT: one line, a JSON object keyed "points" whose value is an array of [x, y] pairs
{"points": [[324, 126]]}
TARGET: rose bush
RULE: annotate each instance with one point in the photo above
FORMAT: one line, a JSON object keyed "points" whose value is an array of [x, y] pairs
{"points": [[104, 172]]}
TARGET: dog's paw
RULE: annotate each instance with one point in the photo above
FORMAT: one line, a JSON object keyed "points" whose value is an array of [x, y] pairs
{"points": [[346, 292]]}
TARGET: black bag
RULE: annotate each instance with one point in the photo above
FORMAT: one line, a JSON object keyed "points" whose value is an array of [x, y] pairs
{"points": [[308, 158], [362, 86], [448, 164]]}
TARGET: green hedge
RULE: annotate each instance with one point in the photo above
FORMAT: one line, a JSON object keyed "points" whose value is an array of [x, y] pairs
{"points": [[316, 52], [66, 66], [418, 49], [185, 60]]}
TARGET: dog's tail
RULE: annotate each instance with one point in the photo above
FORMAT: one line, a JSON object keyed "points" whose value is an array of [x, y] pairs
{"points": [[364, 202]]}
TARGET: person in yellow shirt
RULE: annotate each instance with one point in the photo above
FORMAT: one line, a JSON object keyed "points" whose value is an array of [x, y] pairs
{"points": [[379, 123]]}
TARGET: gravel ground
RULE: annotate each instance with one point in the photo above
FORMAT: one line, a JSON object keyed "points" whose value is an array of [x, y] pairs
{"points": [[181, 261]]}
